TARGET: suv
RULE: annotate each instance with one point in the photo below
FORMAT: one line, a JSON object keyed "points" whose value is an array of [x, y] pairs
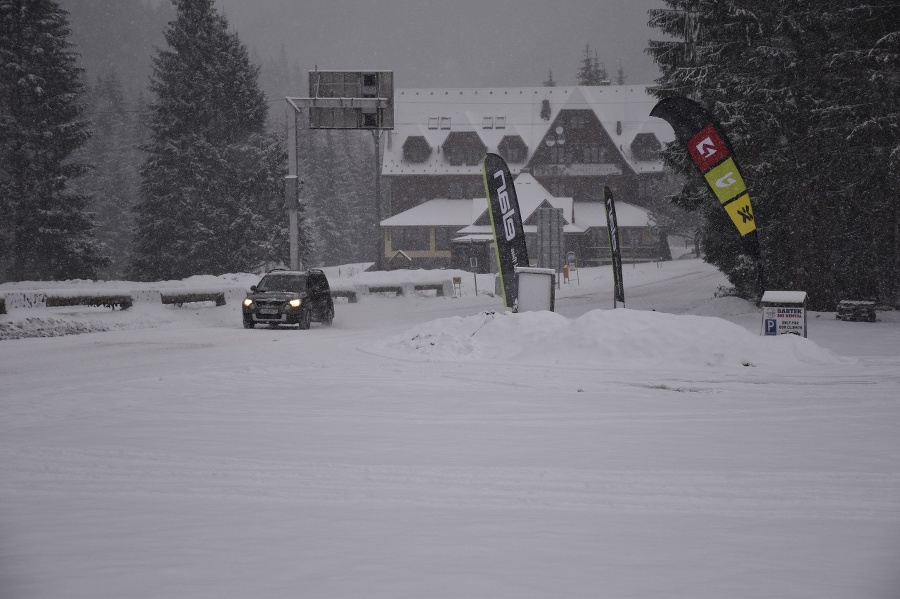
{"points": [[289, 297]]}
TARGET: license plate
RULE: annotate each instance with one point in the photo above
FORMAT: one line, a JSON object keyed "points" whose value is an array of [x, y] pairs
{"points": [[268, 310]]}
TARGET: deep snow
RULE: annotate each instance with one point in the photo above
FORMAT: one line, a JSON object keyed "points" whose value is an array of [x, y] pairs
{"points": [[443, 447]]}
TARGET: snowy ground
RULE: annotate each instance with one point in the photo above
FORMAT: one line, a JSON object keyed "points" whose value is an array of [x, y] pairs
{"points": [[426, 447]]}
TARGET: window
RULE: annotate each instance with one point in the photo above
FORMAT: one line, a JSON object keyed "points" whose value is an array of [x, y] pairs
{"points": [[410, 238], [282, 282], [442, 237], [646, 146], [433, 122], [512, 148], [515, 154], [463, 147], [561, 155], [593, 153], [416, 149], [559, 189], [500, 122], [487, 122], [445, 122]]}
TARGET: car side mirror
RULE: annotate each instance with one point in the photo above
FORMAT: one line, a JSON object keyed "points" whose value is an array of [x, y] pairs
{"points": [[252, 288]]}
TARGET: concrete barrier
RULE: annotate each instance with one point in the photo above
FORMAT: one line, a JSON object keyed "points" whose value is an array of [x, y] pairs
{"points": [[178, 297]]}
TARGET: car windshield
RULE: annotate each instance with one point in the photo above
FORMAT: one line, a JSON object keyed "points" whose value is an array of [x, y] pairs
{"points": [[282, 282]]}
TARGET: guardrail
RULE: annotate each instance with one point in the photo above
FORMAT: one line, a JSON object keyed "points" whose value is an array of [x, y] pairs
{"points": [[178, 298], [124, 299]]}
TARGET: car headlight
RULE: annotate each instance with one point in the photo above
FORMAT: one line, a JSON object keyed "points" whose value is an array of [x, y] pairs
{"points": [[248, 302], [295, 303]]}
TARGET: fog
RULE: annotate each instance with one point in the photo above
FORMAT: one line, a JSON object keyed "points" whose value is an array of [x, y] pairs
{"points": [[458, 43]]}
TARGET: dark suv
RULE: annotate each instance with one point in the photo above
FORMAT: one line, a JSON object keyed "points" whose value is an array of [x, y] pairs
{"points": [[289, 297]]}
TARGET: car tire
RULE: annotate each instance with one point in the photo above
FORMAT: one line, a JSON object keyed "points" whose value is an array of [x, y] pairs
{"points": [[328, 317], [304, 321], [248, 323]]}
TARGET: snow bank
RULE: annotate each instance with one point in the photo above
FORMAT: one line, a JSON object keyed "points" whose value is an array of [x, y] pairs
{"points": [[608, 337]]}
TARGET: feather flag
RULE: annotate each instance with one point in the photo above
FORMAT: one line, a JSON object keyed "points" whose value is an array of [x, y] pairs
{"points": [[506, 221], [712, 154], [614, 247]]}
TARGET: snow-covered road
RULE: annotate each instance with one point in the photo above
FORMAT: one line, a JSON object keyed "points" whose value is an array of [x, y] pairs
{"points": [[423, 448]]}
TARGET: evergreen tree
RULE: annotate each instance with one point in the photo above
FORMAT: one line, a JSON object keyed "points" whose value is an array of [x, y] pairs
{"points": [[803, 89], [550, 82], [212, 182], [587, 72], [601, 77], [620, 75], [113, 182], [592, 70], [45, 231], [340, 202], [118, 36]]}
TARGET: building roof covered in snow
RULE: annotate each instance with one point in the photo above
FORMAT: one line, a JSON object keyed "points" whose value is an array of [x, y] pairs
{"points": [[497, 120], [470, 215]]}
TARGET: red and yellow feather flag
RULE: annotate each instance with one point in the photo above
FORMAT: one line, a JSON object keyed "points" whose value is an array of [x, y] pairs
{"points": [[712, 154]]}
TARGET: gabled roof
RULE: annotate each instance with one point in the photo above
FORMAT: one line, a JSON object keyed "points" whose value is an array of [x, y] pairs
{"points": [[493, 113], [530, 195], [471, 215], [434, 213]]}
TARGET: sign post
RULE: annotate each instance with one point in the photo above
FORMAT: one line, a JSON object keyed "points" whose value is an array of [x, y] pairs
{"points": [[359, 100]]}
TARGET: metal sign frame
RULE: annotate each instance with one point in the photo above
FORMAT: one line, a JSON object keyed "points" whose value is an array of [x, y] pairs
{"points": [[369, 106]]}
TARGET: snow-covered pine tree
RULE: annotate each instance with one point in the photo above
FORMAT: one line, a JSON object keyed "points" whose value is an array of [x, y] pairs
{"points": [[355, 186], [549, 81], [802, 90], [620, 75], [45, 231], [601, 76], [862, 55], [118, 35], [212, 182], [113, 182], [588, 71]]}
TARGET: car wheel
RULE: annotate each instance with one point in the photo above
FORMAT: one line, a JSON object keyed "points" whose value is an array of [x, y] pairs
{"points": [[328, 318], [304, 320], [248, 323]]}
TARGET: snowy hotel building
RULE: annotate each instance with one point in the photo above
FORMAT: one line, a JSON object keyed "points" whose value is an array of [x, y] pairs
{"points": [[563, 145]]}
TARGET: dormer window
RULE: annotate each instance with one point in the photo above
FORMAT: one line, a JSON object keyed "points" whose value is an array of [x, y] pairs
{"points": [[416, 149], [646, 146], [513, 148], [463, 147]]}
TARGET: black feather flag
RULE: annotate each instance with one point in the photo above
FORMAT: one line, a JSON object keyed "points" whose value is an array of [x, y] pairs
{"points": [[614, 246], [506, 221]]}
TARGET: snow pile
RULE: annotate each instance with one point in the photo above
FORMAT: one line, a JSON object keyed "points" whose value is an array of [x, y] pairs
{"points": [[48, 327], [609, 337]]}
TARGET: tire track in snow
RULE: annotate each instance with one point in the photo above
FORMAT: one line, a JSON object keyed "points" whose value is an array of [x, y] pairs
{"points": [[745, 494]]}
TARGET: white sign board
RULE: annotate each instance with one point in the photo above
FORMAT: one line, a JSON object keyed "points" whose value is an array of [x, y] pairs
{"points": [[536, 289], [784, 312]]}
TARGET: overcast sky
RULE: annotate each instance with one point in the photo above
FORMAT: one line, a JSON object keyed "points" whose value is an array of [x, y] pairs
{"points": [[451, 43]]}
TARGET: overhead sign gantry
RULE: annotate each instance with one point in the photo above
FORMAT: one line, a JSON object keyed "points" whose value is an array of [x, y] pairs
{"points": [[349, 100]]}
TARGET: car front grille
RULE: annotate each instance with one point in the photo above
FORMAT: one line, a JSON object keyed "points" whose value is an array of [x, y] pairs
{"points": [[269, 303]]}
